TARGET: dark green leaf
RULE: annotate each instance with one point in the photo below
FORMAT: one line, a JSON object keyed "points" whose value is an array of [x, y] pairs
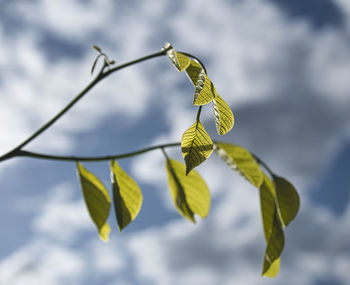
{"points": [[274, 249], [287, 200]]}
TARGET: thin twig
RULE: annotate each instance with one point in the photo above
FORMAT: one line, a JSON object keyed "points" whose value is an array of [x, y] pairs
{"points": [[17, 151], [93, 158]]}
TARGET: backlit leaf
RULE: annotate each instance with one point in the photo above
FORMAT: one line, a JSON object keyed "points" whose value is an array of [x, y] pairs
{"points": [[272, 269], [179, 60], [127, 196], [223, 115], [189, 193], [268, 205], [274, 249], [287, 199], [269, 214], [196, 146], [240, 160], [204, 89], [96, 199]]}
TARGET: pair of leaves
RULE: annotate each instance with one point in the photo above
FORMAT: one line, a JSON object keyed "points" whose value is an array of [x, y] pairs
{"points": [[189, 193], [106, 60], [196, 143], [205, 93], [278, 198], [127, 198]]}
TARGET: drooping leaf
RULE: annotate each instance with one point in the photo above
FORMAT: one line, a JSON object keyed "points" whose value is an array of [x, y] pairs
{"points": [[189, 193], [196, 146], [272, 234], [240, 160], [204, 89], [96, 199], [179, 60], [288, 200], [127, 196], [223, 115], [273, 269], [268, 205], [274, 249]]}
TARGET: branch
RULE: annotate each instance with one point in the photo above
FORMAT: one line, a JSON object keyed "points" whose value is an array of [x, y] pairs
{"points": [[17, 151], [263, 164], [93, 158]]}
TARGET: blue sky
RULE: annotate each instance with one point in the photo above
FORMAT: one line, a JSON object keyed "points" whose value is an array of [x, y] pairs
{"points": [[283, 66]]}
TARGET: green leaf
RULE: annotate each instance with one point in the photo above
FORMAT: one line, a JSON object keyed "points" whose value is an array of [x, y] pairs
{"points": [[127, 196], [268, 205], [272, 269], [204, 88], [179, 60], [240, 160], [190, 193], [196, 146], [97, 48], [272, 234], [96, 199], [274, 249], [223, 115], [288, 200]]}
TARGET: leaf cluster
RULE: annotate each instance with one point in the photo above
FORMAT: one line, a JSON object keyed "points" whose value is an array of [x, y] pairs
{"points": [[190, 194], [188, 190]]}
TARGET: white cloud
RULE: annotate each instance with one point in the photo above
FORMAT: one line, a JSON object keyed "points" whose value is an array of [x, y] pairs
{"points": [[287, 84], [61, 218], [38, 263]]}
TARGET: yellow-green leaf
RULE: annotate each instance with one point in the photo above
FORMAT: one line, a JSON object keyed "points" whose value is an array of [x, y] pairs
{"points": [[189, 193], [269, 214], [274, 249], [179, 60], [273, 268], [96, 199], [196, 146], [268, 205], [288, 200], [240, 160], [193, 71], [127, 196], [204, 89], [223, 115]]}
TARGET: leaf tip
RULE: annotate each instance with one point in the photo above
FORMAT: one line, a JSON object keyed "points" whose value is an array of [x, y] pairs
{"points": [[104, 232]]}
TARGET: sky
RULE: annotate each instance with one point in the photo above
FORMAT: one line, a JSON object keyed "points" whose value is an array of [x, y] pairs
{"points": [[282, 66]]}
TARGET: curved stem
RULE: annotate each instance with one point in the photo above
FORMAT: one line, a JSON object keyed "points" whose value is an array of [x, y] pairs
{"points": [[93, 158], [196, 58], [98, 78], [17, 151], [263, 164]]}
